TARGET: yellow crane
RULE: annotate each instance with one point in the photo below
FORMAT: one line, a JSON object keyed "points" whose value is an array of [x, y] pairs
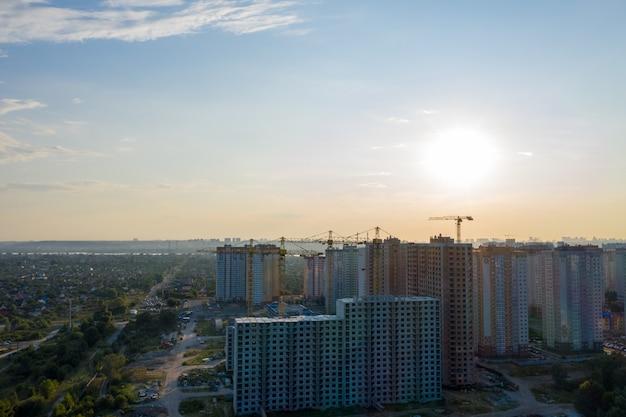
{"points": [[458, 220]]}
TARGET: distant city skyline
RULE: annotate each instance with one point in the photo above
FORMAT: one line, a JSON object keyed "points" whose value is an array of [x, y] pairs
{"points": [[182, 119]]}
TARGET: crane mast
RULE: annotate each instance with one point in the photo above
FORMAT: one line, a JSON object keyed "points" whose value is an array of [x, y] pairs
{"points": [[329, 265], [377, 264], [250, 280], [281, 277]]}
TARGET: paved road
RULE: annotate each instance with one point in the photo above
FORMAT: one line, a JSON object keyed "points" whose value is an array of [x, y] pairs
{"points": [[24, 345]]}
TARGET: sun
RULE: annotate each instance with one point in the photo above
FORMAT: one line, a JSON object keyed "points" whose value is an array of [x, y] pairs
{"points": [[460, 156]]}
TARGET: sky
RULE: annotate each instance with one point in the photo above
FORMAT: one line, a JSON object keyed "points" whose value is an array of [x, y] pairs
{"points": [[193, 119]]}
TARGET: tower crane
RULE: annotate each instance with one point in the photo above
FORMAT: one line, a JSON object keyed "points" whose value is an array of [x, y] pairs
{"points": [[377, 279], [458, 220], [250, 279], [329, 239], [329, 276], [281, 277]]}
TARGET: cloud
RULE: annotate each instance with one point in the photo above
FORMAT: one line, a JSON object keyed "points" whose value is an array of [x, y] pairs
{"points": [[76, 100], [430, 111], [12, 104], [139, 20], [24, 186], [373, 185], [73, 186], [525, 153], [97, 186], [125, 147], [378, 174], [13, 151], [399, 145], [396, 120], [3, 54], [22, 124], [143, 3]]}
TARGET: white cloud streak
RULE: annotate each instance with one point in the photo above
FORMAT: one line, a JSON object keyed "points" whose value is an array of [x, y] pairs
{"points": [[12, 104], [397, 146], [12, 151], [138, 20], [22, 124], [143, 3], [373, 185], [396, 120], [91, 186]]}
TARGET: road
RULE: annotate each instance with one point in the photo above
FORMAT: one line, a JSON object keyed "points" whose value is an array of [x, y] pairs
{"points": [[528, 404], [24, 345], [172, 366]]}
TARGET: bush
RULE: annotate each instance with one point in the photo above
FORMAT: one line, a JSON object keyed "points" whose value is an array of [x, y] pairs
{"points": [[30, 407], [193, 405]]}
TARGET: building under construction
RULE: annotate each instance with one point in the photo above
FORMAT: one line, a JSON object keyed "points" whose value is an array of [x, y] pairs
{"points": [[375, 351], [236, 266]]}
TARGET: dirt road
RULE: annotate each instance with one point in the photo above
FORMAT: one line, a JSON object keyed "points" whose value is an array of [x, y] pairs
{"points": [[172, 366]]}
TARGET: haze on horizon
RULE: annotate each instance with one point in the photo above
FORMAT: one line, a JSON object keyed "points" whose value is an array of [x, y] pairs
{"points": [[182, 119]]}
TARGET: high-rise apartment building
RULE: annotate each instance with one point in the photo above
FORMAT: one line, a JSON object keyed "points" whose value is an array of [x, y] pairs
{"points": [[620, 273], [501, 325], [610, 274], [375, 351], [314, 283], [614, 264], [536, 254], [386, 267], [233, 272], [444, 271], [341, 272], [574, 293]]}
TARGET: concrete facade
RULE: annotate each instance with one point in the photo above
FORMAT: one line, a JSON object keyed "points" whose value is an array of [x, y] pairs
{"points": [[375, 351], [501, 305], [232, 273], [572, 310]]}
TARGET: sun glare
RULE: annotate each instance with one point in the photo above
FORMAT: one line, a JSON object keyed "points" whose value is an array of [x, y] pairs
{"points": [[460, 156]]}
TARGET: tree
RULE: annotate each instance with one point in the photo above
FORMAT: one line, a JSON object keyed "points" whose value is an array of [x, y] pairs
{"points": [[589, 398], [92, 335], [48, 387], [106, 315], [111, 365], [30, 407], [69, 401], [145, 321], [60, 410], [105, 403], [121, 401], [610, 296], [6, 409], [559, 376], [173, 302], [167, 319]]}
